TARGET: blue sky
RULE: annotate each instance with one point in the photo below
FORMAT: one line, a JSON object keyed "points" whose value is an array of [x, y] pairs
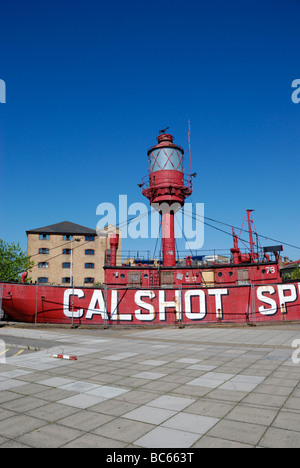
{"points": [[90, 84]]}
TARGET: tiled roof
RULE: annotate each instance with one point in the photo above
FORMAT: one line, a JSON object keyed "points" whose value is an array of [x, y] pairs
{"points": [[66, 227], [291, 265]]}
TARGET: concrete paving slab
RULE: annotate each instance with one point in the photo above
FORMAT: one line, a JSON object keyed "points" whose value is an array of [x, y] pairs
{"points": [[56, 381], [86, 420], [252, 414], [280, 438], [242, 432], [149, 375], [191, 423], [205, 382], [171, 402], [106, 391], [50, 436], [238, 386], [165, 438], [15, 426], [124, 430], [81, 401], [150, 414], [156, 388], [153, 362]]}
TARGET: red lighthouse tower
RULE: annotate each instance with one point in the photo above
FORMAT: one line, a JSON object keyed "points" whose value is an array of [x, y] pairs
{"points": [[167, 188]]}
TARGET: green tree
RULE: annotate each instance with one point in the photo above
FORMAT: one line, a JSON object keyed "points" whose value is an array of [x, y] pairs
{"points": [[13, 261], [296, 273]]}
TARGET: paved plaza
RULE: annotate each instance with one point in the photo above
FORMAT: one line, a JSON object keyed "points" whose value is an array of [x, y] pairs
{"points": [[151, 388]]}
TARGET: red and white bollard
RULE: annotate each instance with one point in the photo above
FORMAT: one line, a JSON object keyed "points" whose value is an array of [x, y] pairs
{"points": [[65, 356]]}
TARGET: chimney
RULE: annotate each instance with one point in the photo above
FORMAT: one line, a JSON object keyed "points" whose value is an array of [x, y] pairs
{"points": [[114, 245]]}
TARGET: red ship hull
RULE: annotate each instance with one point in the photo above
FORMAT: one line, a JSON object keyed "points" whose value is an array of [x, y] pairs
{"points": [[156, 306]]}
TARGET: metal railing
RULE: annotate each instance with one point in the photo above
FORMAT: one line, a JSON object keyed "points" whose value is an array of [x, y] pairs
{"points": [[187, 182], [200, 257]]}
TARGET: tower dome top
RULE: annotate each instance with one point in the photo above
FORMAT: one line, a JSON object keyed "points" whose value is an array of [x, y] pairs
{"points": [[165, 137]]}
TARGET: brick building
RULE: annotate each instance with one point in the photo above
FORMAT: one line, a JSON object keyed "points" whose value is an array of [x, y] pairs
{"points": [[65, 250]]}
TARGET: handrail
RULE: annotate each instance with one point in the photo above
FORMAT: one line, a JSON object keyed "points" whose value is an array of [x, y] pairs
{"points": [[187, 181]]}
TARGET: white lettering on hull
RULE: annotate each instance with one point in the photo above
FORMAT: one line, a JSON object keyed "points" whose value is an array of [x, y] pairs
{"points": [[272, 310], [68, 299], [283, 298], [151, 315], [202, 304], [218, 293], [176, 305], [97, 300], [195, 304]]}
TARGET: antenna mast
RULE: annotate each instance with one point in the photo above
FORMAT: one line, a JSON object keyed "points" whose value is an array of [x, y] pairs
{"points": [[190, 151]]}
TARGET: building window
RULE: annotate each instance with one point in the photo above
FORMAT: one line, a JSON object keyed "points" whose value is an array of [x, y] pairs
{"points": [[68, 237], [43, 280], [66, 265], [90, 252], [43, 251], [89, 280], [43, 265], [44, 237], [89, 265], [66, 280], [67, 251], [89, 238]]}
